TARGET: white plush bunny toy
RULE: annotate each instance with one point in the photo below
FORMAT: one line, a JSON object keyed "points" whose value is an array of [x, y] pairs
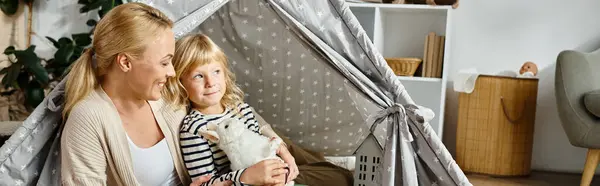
{"points": [[243, 147]]}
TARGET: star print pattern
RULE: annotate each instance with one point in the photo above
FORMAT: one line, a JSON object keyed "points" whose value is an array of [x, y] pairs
{"points": [[24, 149], [313, 91]]}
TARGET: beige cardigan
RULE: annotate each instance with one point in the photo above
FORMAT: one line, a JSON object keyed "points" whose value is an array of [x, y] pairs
{"points": [[94, 148]]}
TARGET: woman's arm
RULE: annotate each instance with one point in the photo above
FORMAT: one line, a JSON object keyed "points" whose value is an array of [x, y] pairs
{"points": [[82, 157]]}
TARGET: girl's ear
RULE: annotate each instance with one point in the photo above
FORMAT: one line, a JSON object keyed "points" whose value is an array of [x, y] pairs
{"points": [[209, 132], [124, 62]]}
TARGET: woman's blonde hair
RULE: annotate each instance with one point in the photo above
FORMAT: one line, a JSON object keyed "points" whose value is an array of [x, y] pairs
{"points": [[196, 50], [125, 29]]}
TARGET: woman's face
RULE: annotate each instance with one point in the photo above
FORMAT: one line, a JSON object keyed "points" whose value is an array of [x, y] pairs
{"points": [[205, 86], [148, 75]]}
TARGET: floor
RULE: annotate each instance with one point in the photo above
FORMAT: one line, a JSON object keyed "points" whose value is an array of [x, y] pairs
{"points": [[535, 179]]}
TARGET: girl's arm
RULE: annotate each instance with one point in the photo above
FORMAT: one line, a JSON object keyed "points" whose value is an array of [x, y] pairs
{"points": [[221, 163], [283, 152], [234, 176], [197, 155]]}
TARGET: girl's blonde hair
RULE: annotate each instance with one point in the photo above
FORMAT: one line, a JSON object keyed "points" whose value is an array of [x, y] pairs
{"points": [[196, 50], [126, 29]]}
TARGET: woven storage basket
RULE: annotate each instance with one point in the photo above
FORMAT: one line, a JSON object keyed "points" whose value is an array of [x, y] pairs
{"points": [[404, 66], [495, 126]]}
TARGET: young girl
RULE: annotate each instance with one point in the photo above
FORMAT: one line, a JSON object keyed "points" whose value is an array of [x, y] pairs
{"points": [[209, 89]]}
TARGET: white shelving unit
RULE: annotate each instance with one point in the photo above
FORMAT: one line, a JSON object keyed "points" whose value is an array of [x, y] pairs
{"points": [[399, 30]]}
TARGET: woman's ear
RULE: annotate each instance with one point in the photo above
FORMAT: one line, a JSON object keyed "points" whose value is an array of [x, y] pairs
{"points": [[124, 62]]}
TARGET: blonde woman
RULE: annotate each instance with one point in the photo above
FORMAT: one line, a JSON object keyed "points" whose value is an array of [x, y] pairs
{"points": [[120, 126]]}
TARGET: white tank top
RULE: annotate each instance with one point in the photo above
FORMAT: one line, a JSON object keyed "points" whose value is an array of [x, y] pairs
{"points": [[153, 166]]}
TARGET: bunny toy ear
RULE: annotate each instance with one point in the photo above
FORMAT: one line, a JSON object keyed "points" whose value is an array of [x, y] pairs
{"points": [[209, 132]]}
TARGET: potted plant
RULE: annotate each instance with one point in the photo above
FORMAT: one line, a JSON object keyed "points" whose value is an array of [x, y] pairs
{"points": [[29, 78]]}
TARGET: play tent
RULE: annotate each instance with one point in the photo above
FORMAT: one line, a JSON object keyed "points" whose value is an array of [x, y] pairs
{"points": [[308, 69]]}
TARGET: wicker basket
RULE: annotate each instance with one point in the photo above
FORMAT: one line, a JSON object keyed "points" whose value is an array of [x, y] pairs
{"points": [[404, 66], [494, 133]]}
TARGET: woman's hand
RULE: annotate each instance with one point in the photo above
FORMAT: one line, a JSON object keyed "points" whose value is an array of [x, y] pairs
{"points": [[202, 179], [287, 157], [264, 173]]}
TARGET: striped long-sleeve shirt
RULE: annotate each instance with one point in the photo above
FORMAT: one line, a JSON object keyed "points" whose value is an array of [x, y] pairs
{"points": [[202, 157]]}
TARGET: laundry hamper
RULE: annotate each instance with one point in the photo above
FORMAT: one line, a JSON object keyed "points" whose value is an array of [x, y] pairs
{"points": [[495, 126]]}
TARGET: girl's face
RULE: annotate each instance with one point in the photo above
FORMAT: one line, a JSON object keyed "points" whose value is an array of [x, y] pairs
{"points": [[205, 86]]}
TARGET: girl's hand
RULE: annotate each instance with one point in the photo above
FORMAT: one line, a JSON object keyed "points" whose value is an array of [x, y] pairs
{"points": [[202, 179], [225, 183], [264, 173], [287, 157]]}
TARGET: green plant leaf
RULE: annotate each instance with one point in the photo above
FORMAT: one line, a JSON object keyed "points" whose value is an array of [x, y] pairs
{"points": [[61, 72], [91, 6], [76, 54], [51, 68], [33, 64], [50, 63], [79, 50], [64, 41], [9, 50], [66, 70], [41, 75], [28, 56], [12, 74], [64, 53], [9, 7], [34, 95], [23, 80], [54, 42], [91, 22], [82, 39], [107, 6]]}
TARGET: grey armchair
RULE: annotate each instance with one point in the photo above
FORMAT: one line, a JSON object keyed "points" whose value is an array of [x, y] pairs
{"points": [[577, 91]]}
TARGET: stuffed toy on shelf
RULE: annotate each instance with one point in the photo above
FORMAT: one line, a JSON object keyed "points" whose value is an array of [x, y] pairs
{"points": [[529, 69]]}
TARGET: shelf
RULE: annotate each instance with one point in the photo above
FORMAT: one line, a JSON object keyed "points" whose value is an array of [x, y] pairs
{"points": [[402, 7], [400, 30], [422, 79], [366, 17]]}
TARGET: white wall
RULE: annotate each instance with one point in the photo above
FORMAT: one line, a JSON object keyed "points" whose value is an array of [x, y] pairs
{"points": [[56, 19], [493, 36]]}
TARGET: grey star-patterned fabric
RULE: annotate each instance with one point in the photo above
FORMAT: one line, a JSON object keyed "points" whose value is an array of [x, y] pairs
{"points": [[310, 70], [287, 83], [31, 156]]}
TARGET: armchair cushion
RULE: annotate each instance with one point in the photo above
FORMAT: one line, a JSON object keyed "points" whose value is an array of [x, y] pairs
{"points": [[591, 101]]}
